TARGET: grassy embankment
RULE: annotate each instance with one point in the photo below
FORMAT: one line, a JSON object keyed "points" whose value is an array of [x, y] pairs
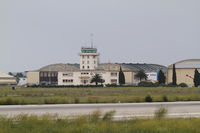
{"points": [[95, 95], [95, 124]]}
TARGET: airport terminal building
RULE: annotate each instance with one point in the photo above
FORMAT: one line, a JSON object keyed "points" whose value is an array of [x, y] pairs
{"points": [[81, 74]]}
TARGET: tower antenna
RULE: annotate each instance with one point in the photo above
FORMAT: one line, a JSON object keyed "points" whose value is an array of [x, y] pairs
{"points": [[91, 35]]}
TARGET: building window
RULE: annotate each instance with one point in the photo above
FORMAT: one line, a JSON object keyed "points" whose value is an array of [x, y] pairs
{"points": [[93, 57], [94, 62], [88, 62], [83, 67], [113, 81], [67, 80], [83, 62], [88, 67], [113, 74], [88, 57], [83, 56], [68, 74], [85, 73]]}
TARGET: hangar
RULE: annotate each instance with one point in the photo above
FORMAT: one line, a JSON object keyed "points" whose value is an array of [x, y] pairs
{"points": [[184, 71]]}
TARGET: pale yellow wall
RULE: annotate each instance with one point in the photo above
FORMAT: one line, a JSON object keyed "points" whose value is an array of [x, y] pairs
{"points": [[128, 77], [33, 78], [181, 75], [8, 81]]}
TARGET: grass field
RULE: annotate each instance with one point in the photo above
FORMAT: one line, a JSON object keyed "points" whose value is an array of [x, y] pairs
{"points": [[95, 95], [95, 124]]}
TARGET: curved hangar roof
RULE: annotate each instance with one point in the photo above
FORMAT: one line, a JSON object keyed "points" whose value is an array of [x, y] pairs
{"points": [[132, 67], [60, 67], [4, 75], [190, 63], [106, 66]]}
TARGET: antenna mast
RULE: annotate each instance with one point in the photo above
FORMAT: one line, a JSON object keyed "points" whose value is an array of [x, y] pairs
{"points": [[91, 35]]}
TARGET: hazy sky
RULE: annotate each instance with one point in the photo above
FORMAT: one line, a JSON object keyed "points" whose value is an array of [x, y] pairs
{"points": [[34, 33]]}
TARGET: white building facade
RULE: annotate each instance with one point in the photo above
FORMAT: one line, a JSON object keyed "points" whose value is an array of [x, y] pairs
{"points": [[84, 77]]}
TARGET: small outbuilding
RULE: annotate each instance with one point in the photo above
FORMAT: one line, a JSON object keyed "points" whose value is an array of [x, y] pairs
{"points": [[6, 79]]}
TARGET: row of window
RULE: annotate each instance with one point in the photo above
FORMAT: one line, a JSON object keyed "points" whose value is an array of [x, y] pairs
{"points": [[85, 81], [70, 74], [46, 74], [67, 80], [88, 56], [67, 74], [88, 62], [114, 74], [85, 73], [87, 67]]}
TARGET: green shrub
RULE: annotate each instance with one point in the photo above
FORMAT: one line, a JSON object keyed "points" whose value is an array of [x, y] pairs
{"points": [[148, 98], [146, 84], [160, 113], [165, 99], [171, 85], [183, 85], [95, 116], [111, 85], [76, 100], [162, 85], [108, 116], [9, 101]]}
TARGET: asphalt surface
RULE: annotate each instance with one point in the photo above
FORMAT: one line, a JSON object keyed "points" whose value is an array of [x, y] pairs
{"points": [[123, 110]]}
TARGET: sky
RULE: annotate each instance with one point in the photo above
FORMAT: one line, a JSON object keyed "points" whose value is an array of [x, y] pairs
{"points": [[35, 33]]}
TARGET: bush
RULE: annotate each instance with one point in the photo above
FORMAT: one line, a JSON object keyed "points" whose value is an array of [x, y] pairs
{"points": [[148, 98], [95, 116], [76, 100], [111, 85], [146, 84], [9, 101], [162, 85], [183, 85], [171, 85], [165, 99], [160, 113], [108, 116]]}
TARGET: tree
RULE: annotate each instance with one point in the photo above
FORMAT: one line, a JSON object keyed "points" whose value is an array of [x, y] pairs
{"points": [[196, 78], [121, 77], [174, 79], [161, 77], [97, 79], [18, 76], [10, 74], [141, 75]]}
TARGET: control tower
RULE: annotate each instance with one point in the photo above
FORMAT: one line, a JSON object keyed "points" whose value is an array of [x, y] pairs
{"points": [[89, 58]]}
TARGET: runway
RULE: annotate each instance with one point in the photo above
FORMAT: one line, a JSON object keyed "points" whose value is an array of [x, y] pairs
{"points": [[123, 110]]}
